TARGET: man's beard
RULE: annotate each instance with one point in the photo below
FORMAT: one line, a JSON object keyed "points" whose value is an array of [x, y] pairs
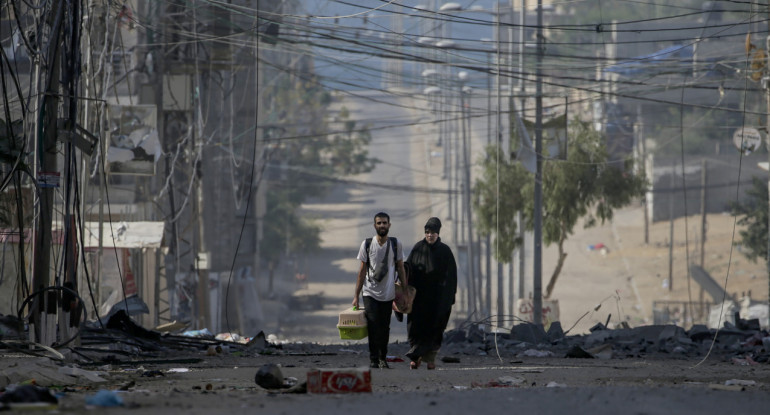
{"points": [[382, 231]]}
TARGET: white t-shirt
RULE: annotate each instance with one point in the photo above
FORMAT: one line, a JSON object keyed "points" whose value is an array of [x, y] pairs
{"points": [[384, 290]]}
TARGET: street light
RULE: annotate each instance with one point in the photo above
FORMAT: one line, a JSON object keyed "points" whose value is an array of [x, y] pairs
{"points": [[450, 7]]}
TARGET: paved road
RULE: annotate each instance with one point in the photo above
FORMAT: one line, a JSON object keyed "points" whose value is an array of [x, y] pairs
{"points": [[395, 186]]}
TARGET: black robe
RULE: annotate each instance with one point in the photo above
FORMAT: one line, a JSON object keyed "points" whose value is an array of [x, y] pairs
{"points": [[433, 272]]}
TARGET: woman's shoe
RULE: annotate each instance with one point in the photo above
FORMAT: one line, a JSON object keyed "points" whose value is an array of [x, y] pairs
{"points": [[431, 366], [415, 364]]}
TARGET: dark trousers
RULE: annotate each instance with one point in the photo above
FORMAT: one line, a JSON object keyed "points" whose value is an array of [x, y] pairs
{"points": [[377, 315]]}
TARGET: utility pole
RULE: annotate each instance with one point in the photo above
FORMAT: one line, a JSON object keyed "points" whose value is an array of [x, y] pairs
{"points": [[498, 133], [47, 155], [522, 92], [703, 210], [767, 93], [671, 228], [537, 301]]}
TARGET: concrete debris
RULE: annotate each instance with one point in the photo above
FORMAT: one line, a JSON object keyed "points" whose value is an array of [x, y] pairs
{"points": [[530, 333], [536, 353], [258, 342], [45, 373], [577, 352], [601, 352], [91, 376], [555, 332], [741, 346]]}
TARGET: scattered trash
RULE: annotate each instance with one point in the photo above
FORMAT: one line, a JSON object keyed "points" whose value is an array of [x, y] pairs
{"points": [[450, 359], [202, 333], [178, 370], [740, 382], [339, 380], [28, 396], [747, 361], [152, 374], [502, 382], [394, 359], [599, 247], [269, 376], [460, 387], [105, 398], [553, 384], [230, 337]]}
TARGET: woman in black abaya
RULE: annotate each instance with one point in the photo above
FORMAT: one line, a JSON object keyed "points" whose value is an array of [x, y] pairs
{"points": [[433, 272]]}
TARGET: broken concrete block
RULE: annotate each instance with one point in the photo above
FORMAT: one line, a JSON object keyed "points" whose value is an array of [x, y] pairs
{"points": [[601, 352], [529, 333], [555, 331], [598, 337], [455, 336], [576, 352]]}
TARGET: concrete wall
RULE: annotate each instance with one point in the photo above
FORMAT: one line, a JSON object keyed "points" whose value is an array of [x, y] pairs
{"points": [[729, 177]]}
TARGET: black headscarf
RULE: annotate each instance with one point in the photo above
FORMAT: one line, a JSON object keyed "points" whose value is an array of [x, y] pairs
{"points": [[433, 270]]}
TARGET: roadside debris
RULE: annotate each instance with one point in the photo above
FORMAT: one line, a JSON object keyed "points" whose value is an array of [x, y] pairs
{"points": [[269, 376], [740, 382], [104, 398], [352, 380], [27, 397], [742, 344]]}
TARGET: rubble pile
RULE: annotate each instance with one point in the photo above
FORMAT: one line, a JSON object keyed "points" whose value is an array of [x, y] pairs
{"points": [[745, 340]]}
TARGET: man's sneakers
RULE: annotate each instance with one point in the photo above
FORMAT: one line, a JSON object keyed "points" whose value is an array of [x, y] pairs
{"points": [[382, 364]]}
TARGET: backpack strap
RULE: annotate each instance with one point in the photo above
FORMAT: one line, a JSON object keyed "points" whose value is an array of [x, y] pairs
{"points": [[367, 244], [394, 245]]}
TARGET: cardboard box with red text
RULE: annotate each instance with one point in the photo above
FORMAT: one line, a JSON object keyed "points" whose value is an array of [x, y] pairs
{"points": [[349, 380]]}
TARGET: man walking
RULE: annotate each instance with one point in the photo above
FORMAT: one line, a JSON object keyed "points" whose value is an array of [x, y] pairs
{"points": [[380, 256]]}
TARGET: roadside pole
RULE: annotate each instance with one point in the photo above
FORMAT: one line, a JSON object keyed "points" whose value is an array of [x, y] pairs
{"points": [[537, 295], [47, 155], [767, 143]]}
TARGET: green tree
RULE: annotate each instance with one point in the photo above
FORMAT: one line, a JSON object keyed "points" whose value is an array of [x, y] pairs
{"points": [[753, 217], [285, 231], [304, 155], [582, 186]]}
